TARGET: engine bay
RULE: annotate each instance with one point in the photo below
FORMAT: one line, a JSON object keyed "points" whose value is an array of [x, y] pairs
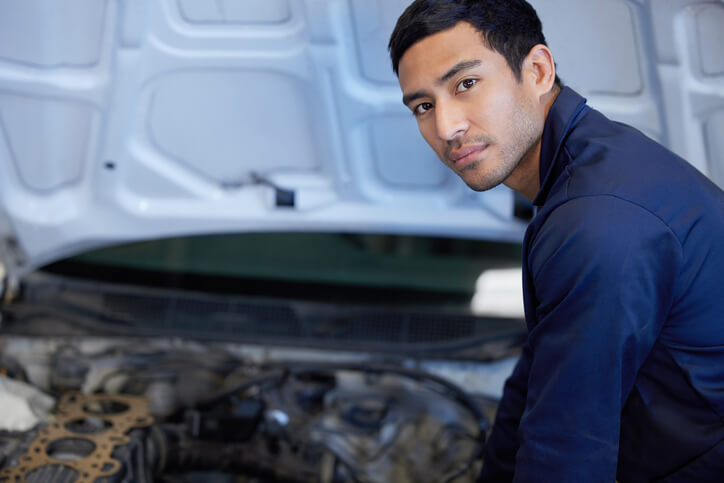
{"points": [[121, 409]]}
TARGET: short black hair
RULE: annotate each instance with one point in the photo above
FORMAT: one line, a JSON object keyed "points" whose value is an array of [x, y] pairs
{"points": [[509, 27]]}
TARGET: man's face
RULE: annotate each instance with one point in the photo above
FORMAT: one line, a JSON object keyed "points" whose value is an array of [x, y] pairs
{"points": [[470, 108]]}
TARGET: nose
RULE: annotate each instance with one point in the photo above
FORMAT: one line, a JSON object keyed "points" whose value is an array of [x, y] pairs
{"points": [[450, 121]]}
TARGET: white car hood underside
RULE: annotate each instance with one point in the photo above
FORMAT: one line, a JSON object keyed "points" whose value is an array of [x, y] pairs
{"points": [[129, 120]]}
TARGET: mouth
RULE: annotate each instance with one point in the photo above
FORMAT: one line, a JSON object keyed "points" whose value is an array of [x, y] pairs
{"points": [[461, 157]]}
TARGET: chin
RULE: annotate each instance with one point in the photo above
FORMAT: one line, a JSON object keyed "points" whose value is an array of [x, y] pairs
{"points": [[480, 185], [480, 181]]}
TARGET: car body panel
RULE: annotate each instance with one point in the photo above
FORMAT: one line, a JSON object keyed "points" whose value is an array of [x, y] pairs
{"points": [[129, 120]]}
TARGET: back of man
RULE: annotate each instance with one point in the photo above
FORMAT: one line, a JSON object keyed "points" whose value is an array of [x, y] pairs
{"points": [[622, 375], [623, 299]]}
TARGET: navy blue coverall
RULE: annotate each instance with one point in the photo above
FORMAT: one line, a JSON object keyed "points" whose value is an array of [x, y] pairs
{"points": [[622, 375]]}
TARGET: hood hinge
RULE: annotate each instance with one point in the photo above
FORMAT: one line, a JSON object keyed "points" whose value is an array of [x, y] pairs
{"points": [[9, 281]]}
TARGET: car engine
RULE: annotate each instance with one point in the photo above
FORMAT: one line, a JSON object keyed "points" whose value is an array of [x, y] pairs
{"points": [[125, 409]]}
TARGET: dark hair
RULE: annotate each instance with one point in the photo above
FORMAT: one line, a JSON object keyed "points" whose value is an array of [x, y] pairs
{"points": [[509, 27]]}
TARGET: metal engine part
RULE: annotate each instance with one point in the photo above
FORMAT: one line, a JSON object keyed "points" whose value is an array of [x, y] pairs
{"points": [[80, 444], [216, 414]]}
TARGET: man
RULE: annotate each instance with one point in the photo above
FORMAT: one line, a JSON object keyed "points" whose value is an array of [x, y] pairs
{"points": [[622, 375]]}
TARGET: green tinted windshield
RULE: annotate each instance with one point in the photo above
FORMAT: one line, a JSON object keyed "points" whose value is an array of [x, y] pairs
{"points": [[376, 261]]}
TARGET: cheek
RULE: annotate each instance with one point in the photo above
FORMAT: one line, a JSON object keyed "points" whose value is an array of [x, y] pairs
{"points": [[502, 114], [499, 106], [427, 130], [488, 110]]}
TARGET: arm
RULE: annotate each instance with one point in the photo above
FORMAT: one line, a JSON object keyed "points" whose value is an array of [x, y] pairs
{"points": [[500, 450], [604, 272]]}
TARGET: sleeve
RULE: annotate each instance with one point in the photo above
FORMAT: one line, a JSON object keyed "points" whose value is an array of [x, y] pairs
{"points": [[500, 450], [604, 272]]}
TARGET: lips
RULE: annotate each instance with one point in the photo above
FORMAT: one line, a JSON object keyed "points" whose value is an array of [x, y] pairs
{"points": [[466, 154]]}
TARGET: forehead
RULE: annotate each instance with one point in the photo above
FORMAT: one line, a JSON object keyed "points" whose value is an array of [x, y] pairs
{"points": [[431, 57]]}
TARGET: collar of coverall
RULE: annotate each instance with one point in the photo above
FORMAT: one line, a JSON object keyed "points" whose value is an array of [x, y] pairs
{"points": [[566, 111]]}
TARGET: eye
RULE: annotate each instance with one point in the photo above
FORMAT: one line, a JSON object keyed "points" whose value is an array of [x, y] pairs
{"points": [[465, 85], [422, 108]]}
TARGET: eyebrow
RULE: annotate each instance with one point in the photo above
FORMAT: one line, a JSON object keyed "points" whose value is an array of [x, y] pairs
{"points": [[454, 70]]}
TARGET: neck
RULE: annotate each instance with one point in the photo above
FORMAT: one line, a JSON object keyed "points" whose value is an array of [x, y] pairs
{"points": [[526, 177]]}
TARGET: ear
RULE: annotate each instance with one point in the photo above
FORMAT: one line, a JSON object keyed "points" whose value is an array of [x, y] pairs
{"points": [[539, 70]]}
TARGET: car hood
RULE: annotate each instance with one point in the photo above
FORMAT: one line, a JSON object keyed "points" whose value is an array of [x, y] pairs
{"points": [[123, 121]]}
